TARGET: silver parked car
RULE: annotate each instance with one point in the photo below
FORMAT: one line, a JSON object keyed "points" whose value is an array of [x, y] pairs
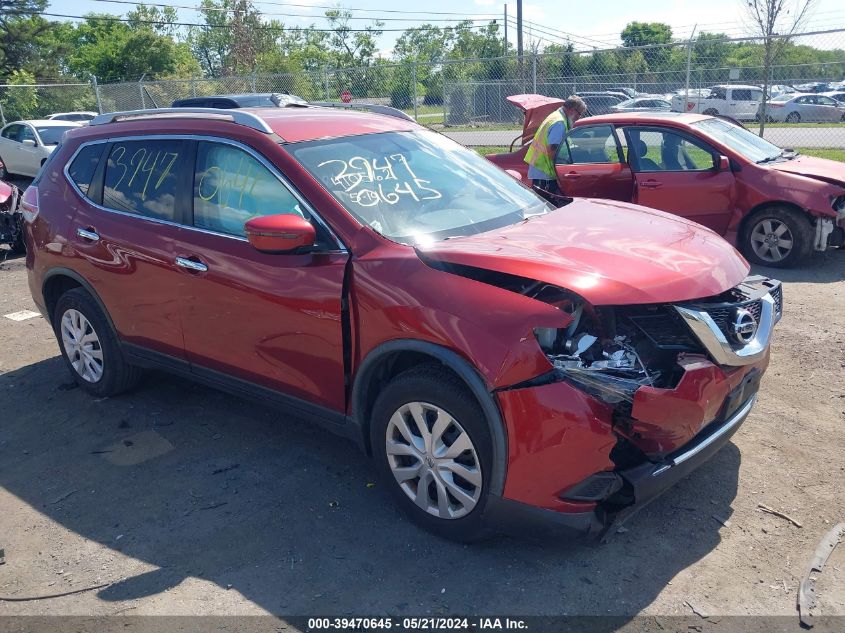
{"points": [[804, 107], [643, 104], [25, 145]]}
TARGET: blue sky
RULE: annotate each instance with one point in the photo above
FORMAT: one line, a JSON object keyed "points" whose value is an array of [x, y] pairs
{"points": [[590, 24]]}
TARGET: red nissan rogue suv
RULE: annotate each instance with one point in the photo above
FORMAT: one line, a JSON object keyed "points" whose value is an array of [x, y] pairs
{"points": [[501, 360]]}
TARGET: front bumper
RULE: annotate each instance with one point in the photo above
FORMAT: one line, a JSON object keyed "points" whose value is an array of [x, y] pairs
{"points": [[641, 485]]}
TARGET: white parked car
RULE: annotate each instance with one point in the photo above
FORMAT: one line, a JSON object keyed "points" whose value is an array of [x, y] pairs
{"points": [[25, 145], [737, 101], [80, 116]]}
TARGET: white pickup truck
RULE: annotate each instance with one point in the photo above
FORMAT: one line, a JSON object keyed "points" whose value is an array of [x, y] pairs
{"points": [[739, 102]]}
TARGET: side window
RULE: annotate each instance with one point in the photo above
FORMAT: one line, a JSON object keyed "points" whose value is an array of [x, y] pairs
{"points": [[82, 169], [667, 151], [826, 101], [141, 177], [588, 145], [740, 94], [231, 187], [718, 93], [756, 95], [12, 132], [802, 100], [26, 134]]}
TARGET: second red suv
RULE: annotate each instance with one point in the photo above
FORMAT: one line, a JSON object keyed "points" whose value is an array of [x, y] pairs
{"points": [[501, 360]]}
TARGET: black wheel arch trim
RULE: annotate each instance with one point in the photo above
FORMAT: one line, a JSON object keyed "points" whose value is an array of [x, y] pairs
{"points": [[67, 272], [472, 379]]}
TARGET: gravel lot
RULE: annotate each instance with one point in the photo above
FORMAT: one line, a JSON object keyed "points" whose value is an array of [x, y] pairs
{"points": [[183, 500]]}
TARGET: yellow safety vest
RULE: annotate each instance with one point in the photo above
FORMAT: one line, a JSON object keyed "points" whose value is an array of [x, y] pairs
{"points": [[537, 154]]}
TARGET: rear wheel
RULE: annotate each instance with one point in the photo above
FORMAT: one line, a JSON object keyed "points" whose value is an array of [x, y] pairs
{"points": [[433, 450], [777, 237], [793, 117], [711, 112], [90, 347]]}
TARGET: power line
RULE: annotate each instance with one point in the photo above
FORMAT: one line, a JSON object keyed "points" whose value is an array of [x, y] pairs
{"points": [[212, 26], [290, 15]]}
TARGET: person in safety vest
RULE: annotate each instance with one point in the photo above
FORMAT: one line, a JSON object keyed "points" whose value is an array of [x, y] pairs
{"points": [[541, 154]]}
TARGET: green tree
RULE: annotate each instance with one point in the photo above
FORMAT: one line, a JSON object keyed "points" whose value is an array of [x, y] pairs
{"points": [[19, 103], [646, 34], [20, 25]]}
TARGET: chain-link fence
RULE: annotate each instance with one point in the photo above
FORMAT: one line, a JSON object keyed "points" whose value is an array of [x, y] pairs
{"points": [[466, 98]]}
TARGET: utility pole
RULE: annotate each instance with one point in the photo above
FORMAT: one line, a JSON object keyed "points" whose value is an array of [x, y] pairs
{"points": [[519, 43], [506, 31]]}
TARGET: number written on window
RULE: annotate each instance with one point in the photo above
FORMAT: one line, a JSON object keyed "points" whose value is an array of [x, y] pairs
{"points": [[141, 178]]}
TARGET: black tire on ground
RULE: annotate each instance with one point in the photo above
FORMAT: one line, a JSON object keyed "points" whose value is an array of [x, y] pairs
{"points": [[711, 112], [117, 375], [433, 385], [4, 173], [798, 226], [793, 117]]}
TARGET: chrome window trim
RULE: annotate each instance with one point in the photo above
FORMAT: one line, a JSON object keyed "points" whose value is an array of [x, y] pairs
{"points": [[341, 247], [717, 345]]}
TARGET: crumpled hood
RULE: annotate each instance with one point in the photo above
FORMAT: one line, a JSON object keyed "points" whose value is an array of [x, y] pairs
{"points": [[831, 171], [610, 253]]}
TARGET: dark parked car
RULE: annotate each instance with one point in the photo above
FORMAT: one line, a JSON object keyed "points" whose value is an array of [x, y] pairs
{"points": [[259, 100], [501, 360]]}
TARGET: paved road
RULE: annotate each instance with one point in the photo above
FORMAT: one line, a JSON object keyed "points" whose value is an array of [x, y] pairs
{"points": [[804, 136]]}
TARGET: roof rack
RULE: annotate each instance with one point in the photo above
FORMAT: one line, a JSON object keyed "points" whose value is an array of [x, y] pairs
{"points": [[239, 117], [372, 107]]}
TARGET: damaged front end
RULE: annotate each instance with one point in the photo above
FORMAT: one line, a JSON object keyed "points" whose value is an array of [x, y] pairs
{"points": [[11, 220], [638, 397]]}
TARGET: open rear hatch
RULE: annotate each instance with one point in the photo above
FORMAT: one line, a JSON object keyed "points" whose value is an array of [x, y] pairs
{"points": [[536, 108]]}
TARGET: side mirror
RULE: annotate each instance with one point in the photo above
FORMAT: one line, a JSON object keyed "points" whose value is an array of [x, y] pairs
{"points": [[280, 233], [28, 142], [724, 163]]}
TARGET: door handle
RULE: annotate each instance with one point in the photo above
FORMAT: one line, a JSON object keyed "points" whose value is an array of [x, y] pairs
{"points": [[651, 184], [191, 264], [572, 175], [88, 234]]}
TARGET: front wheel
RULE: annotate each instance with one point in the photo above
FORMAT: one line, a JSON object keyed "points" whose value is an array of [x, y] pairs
{"points": [[90, 347], [433, 450], [793, 117], [777, 237], [711, 112]]}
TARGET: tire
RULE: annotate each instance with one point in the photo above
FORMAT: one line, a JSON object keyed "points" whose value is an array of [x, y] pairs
{"points": [[4, 173], [766, 233], [98, 365], [431, 394], [711, 112], [793, 117]]}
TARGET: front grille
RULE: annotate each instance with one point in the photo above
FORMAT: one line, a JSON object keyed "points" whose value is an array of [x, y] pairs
{"points": [[724, 315], [665, 330]]}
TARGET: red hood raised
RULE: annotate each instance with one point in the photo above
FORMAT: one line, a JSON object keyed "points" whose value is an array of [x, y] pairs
{"points": [[610, 253], [831, 171]]}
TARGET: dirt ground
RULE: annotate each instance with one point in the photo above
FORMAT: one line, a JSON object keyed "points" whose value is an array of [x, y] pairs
{"points": [[183, 500]]}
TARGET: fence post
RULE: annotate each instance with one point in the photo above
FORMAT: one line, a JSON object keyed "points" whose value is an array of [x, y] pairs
{"points": [[534, 73], [689, 61], [414, 81], [326, 81], [97, 93], [2, 116], [141, 91], [445, 112]]}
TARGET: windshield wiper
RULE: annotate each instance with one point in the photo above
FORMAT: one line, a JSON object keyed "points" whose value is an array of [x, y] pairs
{"points": [[783, 154]]}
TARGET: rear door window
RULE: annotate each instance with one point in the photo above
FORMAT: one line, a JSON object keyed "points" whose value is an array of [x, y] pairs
{"points": [[589, 144], [142, 177]]}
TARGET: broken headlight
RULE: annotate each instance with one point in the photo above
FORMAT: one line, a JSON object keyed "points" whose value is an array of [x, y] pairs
{"points": [[608, 367]]}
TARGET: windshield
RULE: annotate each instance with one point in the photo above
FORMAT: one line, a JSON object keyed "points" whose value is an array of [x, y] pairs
{"points": [[417, 187], [739, 139], [53, 135]]}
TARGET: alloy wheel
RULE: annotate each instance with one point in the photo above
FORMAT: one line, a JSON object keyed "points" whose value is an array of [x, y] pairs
{"points": [[433, 460], [82, 345], [771, 240]]}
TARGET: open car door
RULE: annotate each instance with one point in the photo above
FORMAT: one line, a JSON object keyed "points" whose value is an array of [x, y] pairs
{"points": [[590, 163]]}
